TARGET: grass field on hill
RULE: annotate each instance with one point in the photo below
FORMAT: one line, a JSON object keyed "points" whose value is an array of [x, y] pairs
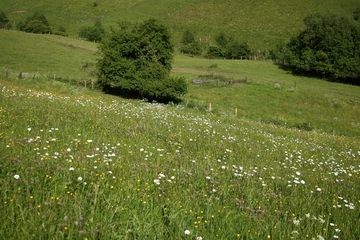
{"points": [[270, 95], [77, 164], [260, 23]]}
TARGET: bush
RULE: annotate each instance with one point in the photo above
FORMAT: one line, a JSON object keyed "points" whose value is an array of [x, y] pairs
{"points": [[94, 33], [4, 21], [329, 47], [136, 61], [189, 45], [37, 23]]}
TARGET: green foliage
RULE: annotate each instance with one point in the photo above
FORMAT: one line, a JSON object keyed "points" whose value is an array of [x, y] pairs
{"points": [[357, 14], [136, 59], [215, 52], [237, 50], [93, 33], [328, 47], [228, 47], [4, 21], [189, 45], [37, 23]]}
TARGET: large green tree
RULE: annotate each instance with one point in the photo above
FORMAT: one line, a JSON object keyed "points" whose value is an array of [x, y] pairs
{"points": [[136, 60], [329, 47]]}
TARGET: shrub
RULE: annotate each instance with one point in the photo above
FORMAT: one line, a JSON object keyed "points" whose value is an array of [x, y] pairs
{"points": [[93, 33], [37, 23], [4, 21], [136, 61], [189, 45]]}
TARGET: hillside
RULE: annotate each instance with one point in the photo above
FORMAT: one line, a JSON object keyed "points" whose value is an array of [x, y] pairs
{"points": [[260, 23], [295, 102], [77, 164], [33, 53]]}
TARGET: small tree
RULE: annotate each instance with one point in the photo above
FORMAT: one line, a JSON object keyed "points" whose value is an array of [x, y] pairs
{"points": [[189, 45], [136, 61], [4, 21], [37, 23], [237, 50], [94, 33]]}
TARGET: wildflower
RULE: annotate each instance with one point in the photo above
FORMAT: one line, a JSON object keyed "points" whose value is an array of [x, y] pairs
{"points": [[89, 141], [298, 173], [337, 230], [69, 149], [80, 178], [302, 182], [320, 237], [199, 238], [157, 181], [187, 232], [319, 190], [71, 169], [296, 222], [29, 129], [16, 176]]}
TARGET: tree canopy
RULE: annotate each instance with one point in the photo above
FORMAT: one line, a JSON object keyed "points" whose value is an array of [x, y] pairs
{"points": [[328, 47], [136, 61]]}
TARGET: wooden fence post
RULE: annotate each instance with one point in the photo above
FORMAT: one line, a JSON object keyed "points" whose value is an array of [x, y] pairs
{"points": [[235, 112], [210, 107], [85, 83], [92, 84], [70, 81]]}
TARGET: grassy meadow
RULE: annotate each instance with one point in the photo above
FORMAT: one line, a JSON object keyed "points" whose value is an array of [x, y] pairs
{"points": [[262, 24], [78, 164]]}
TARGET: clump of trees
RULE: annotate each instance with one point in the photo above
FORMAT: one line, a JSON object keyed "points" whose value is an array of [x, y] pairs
{"points": [[329, 47], [36, 23], [93, 33], [189, 45], [136, 62], [228, 47], [4, 21]]}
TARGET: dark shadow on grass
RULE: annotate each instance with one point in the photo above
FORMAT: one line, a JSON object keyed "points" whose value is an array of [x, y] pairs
{"points": [[127, 94], [312, 74]]}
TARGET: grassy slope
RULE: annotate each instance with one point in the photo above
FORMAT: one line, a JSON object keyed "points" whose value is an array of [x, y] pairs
{"points": [[77, 164], [260, 23], [31, 53], [325, 106]]}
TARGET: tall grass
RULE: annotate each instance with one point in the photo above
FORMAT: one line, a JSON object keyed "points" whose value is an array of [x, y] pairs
{"points": [[80, 165]]}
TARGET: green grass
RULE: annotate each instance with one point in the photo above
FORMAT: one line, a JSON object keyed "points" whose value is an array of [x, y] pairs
{"points": [[299, 102], [272, 95], [33, 53], [77, 164], [260, 23]]}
